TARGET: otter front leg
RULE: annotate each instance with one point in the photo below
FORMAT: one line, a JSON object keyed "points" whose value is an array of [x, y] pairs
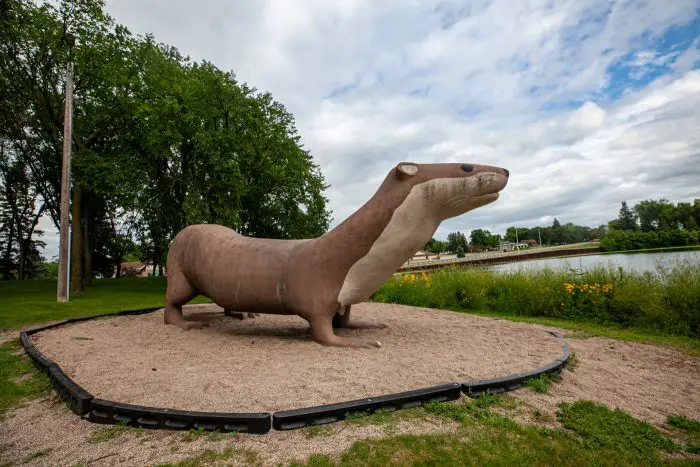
{"points": [[322, 332], [179, 292], [343, 321]]}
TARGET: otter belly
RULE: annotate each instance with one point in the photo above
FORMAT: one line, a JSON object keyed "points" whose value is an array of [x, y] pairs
{"points": [[237, 272]]}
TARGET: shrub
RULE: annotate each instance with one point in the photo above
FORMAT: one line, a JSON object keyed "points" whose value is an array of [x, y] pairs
{"points": [[667, 299]]}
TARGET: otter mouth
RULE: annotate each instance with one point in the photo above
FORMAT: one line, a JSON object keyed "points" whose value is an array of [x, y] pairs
{"points": [[488, 196], [485, 199]]}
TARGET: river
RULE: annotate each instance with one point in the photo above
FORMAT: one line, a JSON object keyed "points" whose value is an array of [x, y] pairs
{"points": [[640, 262]]}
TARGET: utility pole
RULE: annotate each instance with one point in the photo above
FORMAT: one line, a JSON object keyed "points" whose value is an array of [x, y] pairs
{"points": [[64, 244], [539, 232], [63, 258]]}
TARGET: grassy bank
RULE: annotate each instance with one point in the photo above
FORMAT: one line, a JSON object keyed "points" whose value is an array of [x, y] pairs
{"points": [[653, 250], [591, 434], [665, 301], [28, 302]]}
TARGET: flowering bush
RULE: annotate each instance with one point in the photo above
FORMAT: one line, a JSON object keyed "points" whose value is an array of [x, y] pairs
{"points": [[667, 299], [590, 300]]}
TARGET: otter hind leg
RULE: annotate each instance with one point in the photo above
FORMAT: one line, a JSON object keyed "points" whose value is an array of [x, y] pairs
{"points": [[322, 332], [179, 292]]}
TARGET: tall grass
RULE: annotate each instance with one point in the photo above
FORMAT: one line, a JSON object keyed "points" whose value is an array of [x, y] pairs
{"points": [[666, 299]]}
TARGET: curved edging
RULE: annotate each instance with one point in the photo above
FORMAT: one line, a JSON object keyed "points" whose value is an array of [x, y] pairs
{"points": [[104, 411], [95, 410], [514, 381], [322, 414], [84, 404]]}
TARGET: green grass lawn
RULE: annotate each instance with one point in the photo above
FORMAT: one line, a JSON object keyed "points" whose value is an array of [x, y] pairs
{"points": [[30, 302]]}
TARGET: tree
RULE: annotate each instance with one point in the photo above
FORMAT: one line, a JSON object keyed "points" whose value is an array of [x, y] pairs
{"points": [[160, 142], [557, 233], [479, 238], [455, 240], [20, 210], [627, 219]]}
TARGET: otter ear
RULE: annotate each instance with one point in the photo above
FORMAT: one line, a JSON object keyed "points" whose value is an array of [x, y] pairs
{"points": [[406, 169]]}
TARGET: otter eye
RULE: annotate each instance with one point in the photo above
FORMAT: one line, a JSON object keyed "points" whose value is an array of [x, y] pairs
{"points": [[467, 167]]}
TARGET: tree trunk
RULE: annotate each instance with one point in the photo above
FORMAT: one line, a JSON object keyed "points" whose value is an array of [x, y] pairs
{"points": [[119, 269], [7, 261], [23, 247], [160, 269], [87, 253], [77, 253]]}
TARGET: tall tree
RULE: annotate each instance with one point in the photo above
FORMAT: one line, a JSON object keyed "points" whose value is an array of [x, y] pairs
{"points": [[626, 218], [456, 240]]}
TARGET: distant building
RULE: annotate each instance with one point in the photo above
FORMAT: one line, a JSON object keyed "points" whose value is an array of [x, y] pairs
{"points": [[512, 246], [137, 269]]}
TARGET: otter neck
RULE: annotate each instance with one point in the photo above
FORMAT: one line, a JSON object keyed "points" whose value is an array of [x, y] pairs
{"points": [[411, 225], [354, 237]]}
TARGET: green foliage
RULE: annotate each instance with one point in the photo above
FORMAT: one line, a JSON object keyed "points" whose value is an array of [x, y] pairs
{"points": [[573, 362], [192, 434], [480, 238], [599, 436], [160, 141], [102, 435], [541, 384], [661, 224], [666, 300], [35, 455], [456, 240], [684, 423], [615, 429], [209, 457], [26, 302], [687, 430], [554, 234], [619, 240], [627, 220], [436, 246], [19, 380], [314, 431]]}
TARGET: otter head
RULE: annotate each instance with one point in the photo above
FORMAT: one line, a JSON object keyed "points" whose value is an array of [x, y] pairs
{"points": [[448, 190]]}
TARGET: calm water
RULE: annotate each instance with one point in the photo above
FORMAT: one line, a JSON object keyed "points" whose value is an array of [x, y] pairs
{"points": [[640, 262]]}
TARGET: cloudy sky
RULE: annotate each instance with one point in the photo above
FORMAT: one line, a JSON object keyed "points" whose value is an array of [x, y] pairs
{"points": [[587, 103]]}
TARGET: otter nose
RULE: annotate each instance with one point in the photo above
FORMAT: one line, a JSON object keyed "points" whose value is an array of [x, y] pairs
{"points": [[505, 171]]}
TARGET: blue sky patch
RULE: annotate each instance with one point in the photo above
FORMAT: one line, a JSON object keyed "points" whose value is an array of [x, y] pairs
{"points": [[651, 59]]}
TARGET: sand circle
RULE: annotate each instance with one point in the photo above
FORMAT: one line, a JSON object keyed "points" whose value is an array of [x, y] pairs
{"points": [[270, 363]]}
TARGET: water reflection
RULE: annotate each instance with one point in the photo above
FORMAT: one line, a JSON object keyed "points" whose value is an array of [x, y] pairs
{"points": [[639, 262]]}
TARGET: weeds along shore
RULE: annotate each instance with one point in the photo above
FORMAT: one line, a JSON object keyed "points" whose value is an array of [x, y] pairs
{"points": [[666, 300]]}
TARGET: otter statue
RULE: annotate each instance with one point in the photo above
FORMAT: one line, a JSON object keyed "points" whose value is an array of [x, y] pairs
{"points": [[319, 279]]}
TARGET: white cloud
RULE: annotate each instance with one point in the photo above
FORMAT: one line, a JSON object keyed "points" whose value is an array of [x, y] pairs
{"points": [[492, 82]]}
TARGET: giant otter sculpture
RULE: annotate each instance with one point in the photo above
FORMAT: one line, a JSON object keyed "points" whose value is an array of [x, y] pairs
{"points": [[319, 279]]}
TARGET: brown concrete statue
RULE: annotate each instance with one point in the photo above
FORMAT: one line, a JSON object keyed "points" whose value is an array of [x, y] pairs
{"points": [[319, 279]]}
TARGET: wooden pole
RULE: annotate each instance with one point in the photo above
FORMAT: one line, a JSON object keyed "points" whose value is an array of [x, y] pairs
{"points": [[63, 257]]}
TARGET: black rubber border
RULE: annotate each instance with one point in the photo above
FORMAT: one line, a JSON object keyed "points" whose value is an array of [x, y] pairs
{"points": [[82, 403], [104, 411], [322, 414], [514, 381]]}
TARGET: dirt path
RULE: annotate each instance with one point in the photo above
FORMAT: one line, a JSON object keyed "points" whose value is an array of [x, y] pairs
{"points": [[647, 381]]}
